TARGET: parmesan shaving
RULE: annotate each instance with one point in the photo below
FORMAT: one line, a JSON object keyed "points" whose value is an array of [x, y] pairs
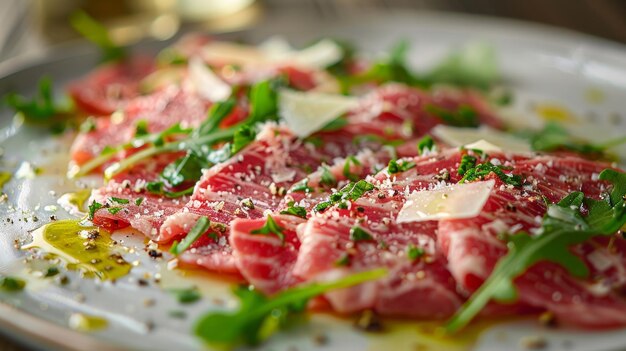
{"points": [[206, 83], [450, 202], [306, 113]]}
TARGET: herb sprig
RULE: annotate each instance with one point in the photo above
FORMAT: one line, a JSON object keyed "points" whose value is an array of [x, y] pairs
{"points": [[95, 32], [201, 226], [259, 316], [564, 225], [553, 137]]}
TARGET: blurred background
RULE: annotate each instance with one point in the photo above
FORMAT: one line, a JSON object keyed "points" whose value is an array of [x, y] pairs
{"points": [[29, 27]]}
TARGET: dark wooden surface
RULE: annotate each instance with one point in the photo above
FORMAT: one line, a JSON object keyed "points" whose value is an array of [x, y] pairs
{"points": [[603, 18]]}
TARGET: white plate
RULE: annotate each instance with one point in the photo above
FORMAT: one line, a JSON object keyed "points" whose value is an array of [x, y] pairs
{"points": [[541, 63]]}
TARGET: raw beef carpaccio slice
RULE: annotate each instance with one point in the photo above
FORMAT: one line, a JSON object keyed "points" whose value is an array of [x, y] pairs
{"points": [[249, 184], [159, 110], [266, 261], [328, 251], [472, 246], [111, 86], [144, 212]]}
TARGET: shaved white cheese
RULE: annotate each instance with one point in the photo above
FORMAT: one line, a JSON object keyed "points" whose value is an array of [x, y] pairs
{"points": [[482, 145], [319, 55], [206, 83], [275, 50], [306, 113], [455, 136], [455, 201]]}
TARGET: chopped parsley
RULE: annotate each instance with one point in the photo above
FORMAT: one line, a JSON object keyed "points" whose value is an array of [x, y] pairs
{"points": [[201, 226], [395, 167], [271, 227], [425, 144], [359, 234], [574, 220], [352, 191], [93, 207], [139, 201], [294, 210], [141, 128], [343, 260], [259, 316], [413, 252], [467, 162], [482, 170], [185, 296], [114, 210]]}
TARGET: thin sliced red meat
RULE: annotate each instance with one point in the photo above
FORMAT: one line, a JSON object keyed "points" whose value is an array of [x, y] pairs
{"points": [[473, 247], [160, 110], [111, 86], [266, 261], [327, 251]]}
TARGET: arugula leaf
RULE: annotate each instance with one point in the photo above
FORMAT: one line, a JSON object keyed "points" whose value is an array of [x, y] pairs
{"points": [[294, 210], [352, 191], [215, 116], [395, 167], [185, 169], [327, 177], [201, 226], [41, 109], [463, 116], [482, 170], [158, 188], [425, 144], [263, 107], [243, 136], [271, 227], [95, 206], [259, 316], [554, 137], [119, 200], [95, 32], [563, 225], [473, 65], [11, 284], [264, 101]]}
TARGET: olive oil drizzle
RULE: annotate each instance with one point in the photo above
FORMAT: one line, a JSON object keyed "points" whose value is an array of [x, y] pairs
{"points": [[85, 248]]}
